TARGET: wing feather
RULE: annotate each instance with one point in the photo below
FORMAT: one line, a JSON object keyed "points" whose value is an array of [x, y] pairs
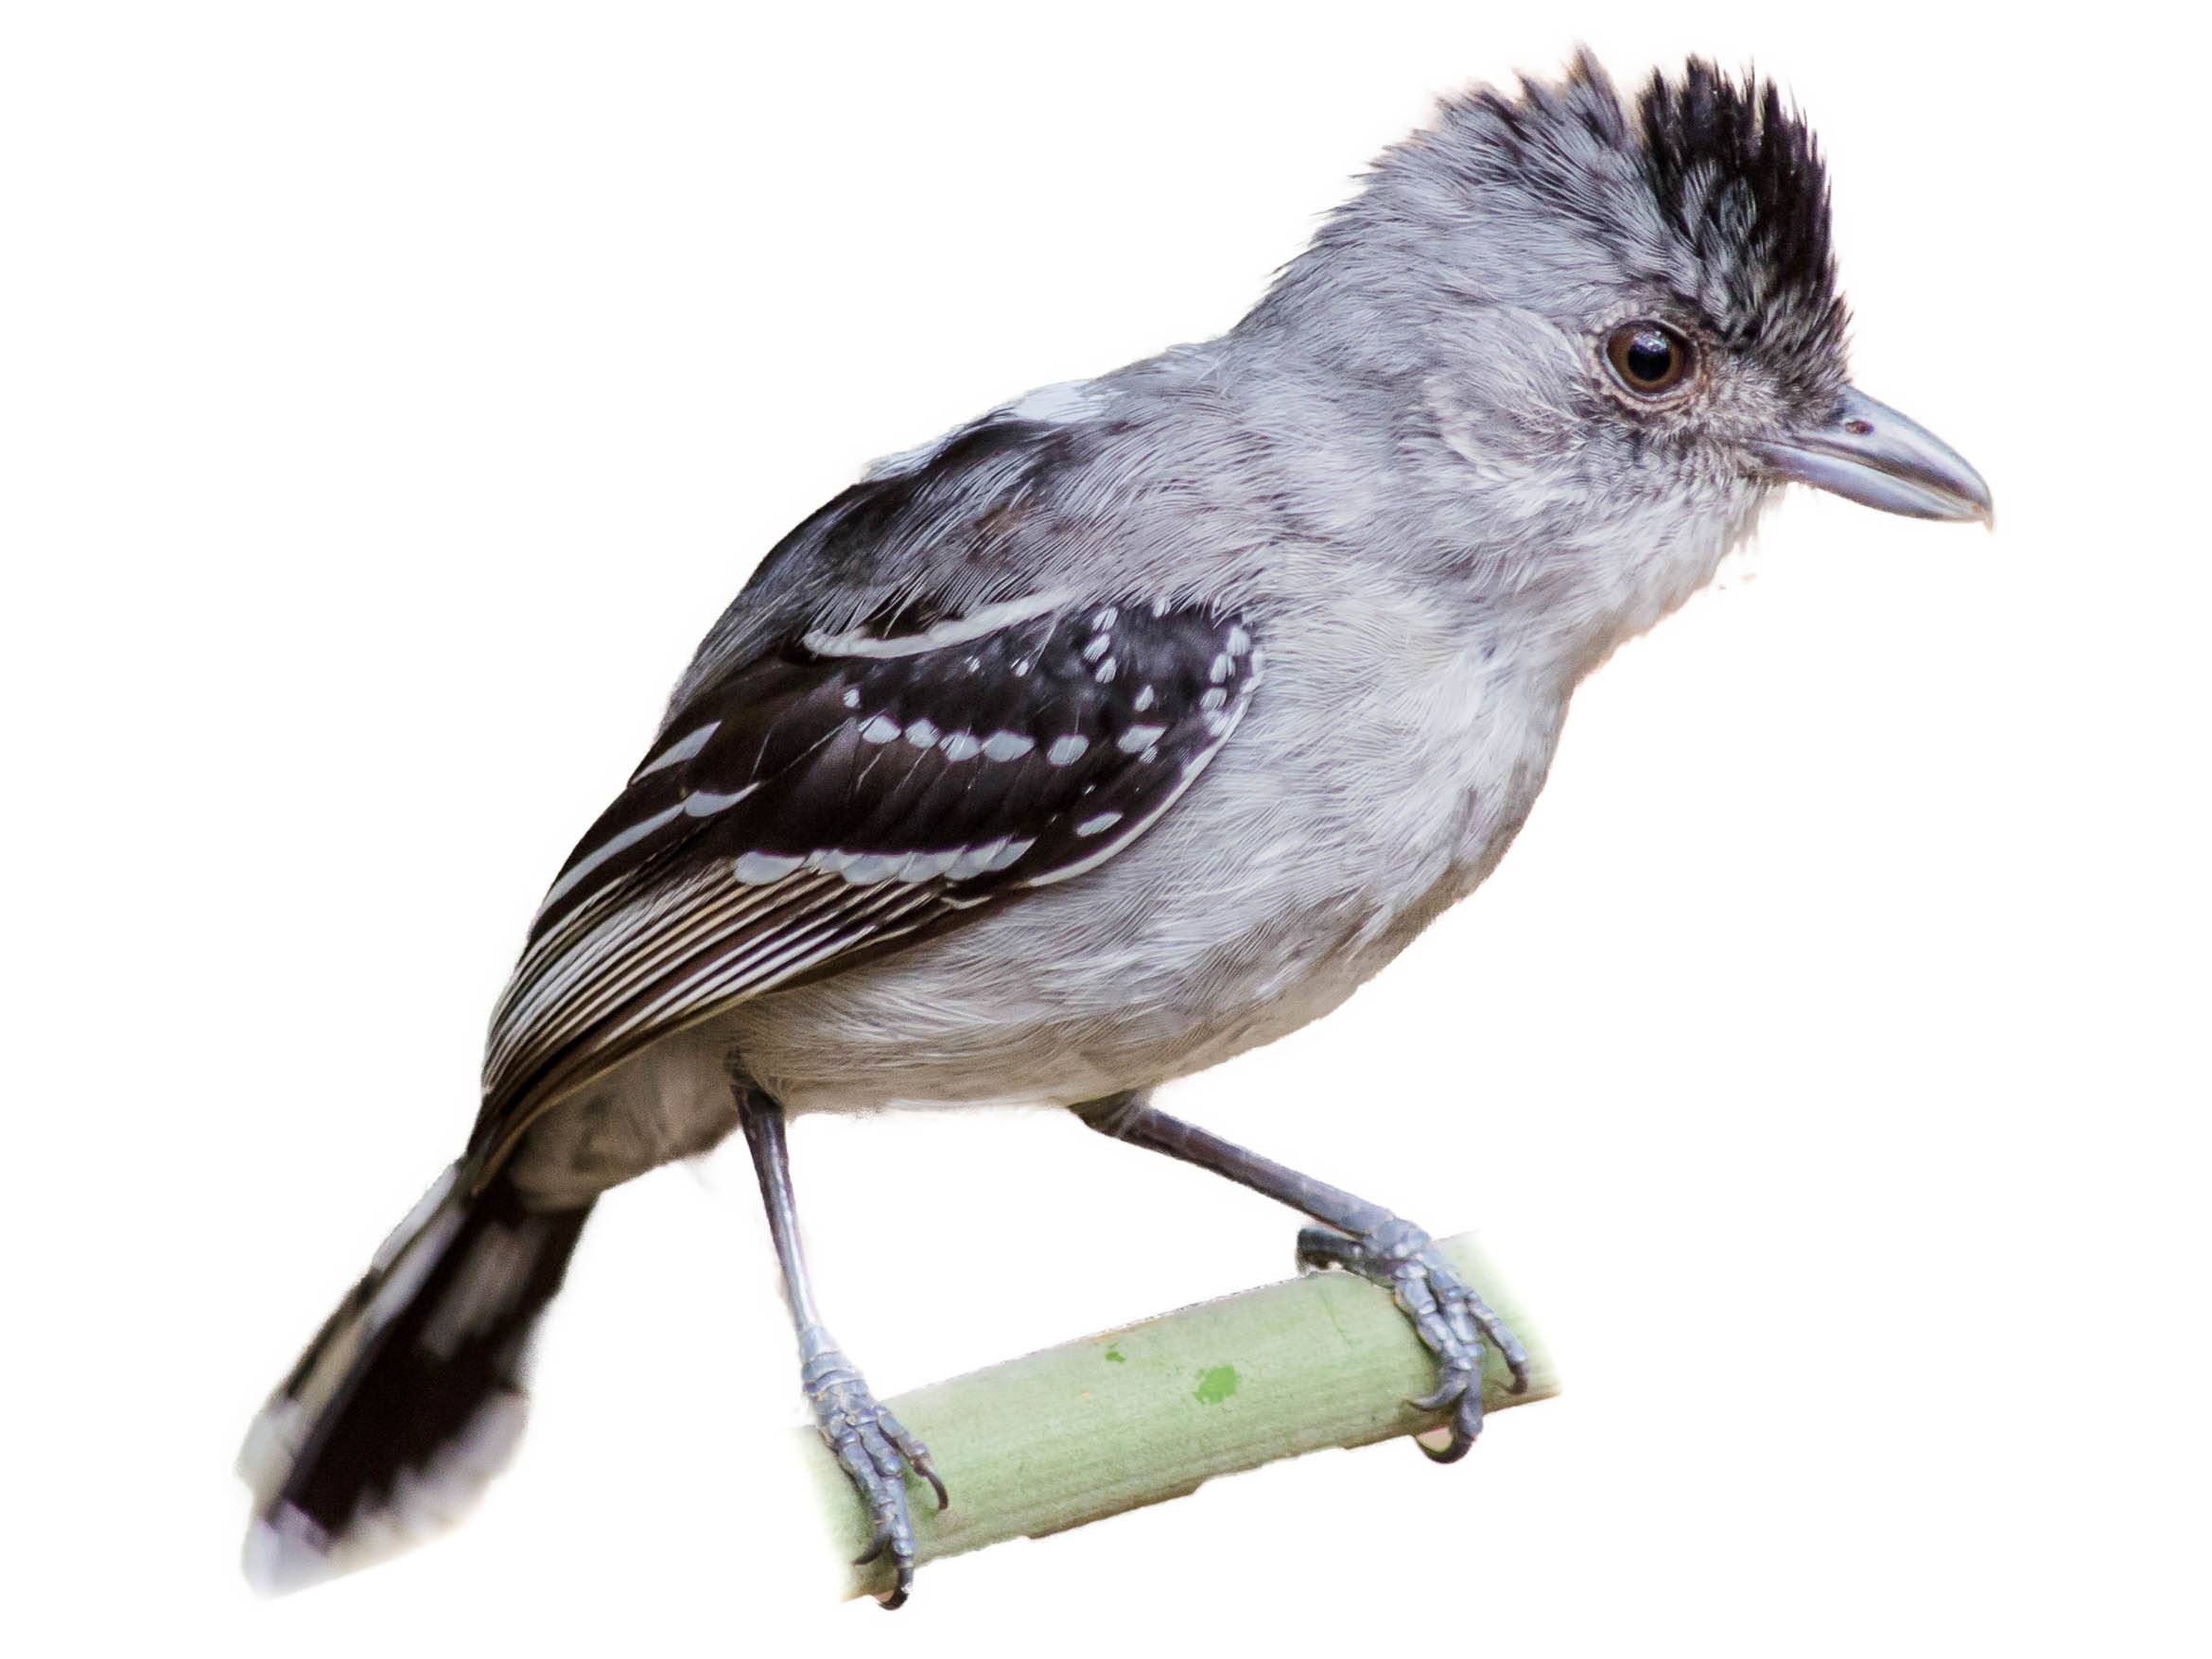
{"points": [[835, 794]]}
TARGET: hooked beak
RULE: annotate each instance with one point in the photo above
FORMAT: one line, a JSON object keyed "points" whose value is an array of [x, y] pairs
{"points": [[1871, 454]]}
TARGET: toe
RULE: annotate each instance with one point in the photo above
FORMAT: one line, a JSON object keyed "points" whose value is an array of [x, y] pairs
{"points": [[1321, 1248], [883, 1455], [916, 1455]]}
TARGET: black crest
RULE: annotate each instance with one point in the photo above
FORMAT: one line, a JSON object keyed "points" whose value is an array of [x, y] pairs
{"points": [[1737, 173]]}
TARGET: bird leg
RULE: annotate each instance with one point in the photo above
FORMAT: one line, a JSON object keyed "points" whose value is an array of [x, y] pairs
{"points": [[872, 1446], [1452, 1320]]}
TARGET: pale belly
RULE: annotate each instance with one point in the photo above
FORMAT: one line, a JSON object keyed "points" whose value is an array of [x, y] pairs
{"points": [[1219, 931], [1222, 930]]}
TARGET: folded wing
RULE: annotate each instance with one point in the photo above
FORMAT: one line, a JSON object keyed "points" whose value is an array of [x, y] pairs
{"points": [[836, 795]]}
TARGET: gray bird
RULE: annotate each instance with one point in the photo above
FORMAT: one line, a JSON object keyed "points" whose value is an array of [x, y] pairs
{"points": [[1126, 727]]}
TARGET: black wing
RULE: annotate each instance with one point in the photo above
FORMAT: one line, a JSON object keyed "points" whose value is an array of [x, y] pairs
{"points": [[836, 794]]}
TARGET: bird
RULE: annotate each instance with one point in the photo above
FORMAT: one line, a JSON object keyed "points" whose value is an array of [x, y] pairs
{"points": [[1130, 725]]}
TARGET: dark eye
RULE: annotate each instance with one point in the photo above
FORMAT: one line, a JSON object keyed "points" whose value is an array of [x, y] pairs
{"points": [[1648, 357]]}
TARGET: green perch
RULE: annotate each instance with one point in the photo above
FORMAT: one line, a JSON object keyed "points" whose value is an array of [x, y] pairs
{"points": [[1153, 1410]]}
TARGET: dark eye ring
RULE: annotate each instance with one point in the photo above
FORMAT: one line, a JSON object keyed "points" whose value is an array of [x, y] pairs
{"points": [[1649, 358]]}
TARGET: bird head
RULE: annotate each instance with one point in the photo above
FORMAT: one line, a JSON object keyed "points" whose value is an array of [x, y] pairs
{"points": [[1621, 316]]}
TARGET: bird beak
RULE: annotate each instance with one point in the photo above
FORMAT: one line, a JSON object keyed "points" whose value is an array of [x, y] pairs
{"points": [[1869, 453]]}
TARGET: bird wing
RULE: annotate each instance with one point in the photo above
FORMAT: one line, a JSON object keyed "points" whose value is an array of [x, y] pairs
{"points": [[833, 794]]}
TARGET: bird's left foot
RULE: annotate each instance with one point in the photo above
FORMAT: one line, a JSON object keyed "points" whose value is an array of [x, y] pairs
{"points": [[1452, 1323]]}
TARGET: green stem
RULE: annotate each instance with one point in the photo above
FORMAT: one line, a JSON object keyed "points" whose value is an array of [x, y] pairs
{"points": [[1155, 1410]]}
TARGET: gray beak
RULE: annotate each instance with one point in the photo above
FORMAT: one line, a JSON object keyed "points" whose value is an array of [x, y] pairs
{"points": [[1871, 454]]}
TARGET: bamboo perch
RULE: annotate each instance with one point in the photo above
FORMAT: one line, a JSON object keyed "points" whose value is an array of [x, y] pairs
{"points": [[1154, 1410]]}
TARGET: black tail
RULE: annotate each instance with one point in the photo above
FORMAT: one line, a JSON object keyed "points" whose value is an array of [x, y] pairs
{"points": [[410, 1397]]}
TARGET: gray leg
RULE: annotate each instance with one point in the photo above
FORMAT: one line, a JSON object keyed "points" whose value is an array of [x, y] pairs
{"points": [[1452, 1322], [874, 1449]]}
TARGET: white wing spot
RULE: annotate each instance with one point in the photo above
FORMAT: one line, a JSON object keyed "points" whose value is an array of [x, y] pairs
{"points": [[689, 746], [1214, 699], [922, 735], [1141, 737], [1099, 644], [703, 803], [1219, 669], [1094, 825], [957, 631], [1145, 699], [1007, 746], [852, 697], [960, 746], [1067, 749], [1105, 672], [1126, 834], [880, 728], [607, 850]]}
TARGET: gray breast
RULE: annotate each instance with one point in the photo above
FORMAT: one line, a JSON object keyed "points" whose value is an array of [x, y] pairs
{"points": [[1359, 800]]}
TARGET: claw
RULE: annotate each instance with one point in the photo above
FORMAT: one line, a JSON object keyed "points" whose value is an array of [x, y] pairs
{"points": [[880, 1543], [1446, 1392], [1516, 1358], [1459, 1446], [1465, 1426], [928, 1470]]}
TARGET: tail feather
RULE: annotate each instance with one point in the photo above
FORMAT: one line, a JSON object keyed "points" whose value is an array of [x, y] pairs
{"points": [[411, 1398]]}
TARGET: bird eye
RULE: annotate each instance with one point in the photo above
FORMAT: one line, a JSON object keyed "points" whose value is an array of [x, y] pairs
{"points": [[1648, 358]]}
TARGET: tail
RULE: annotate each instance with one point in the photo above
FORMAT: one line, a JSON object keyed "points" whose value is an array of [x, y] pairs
{"points": [[410, 1397]]}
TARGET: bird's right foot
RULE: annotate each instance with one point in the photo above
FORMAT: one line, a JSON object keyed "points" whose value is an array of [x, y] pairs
{"points": [[874, 1450], [1452, 1323]]}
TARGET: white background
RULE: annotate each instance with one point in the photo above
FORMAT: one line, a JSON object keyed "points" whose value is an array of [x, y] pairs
{"points": [[392, 394]]}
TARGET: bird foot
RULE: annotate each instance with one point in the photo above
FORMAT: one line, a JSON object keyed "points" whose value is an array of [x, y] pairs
{"points": [[873, 1447], [1452, 1323]]}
